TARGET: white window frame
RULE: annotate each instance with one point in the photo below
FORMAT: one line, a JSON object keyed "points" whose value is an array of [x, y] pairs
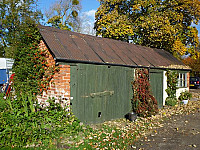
{"points": [[182, 80]]}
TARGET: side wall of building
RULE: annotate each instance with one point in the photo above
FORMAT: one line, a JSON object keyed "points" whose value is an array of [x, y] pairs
{"points": [[179, 90], [59, 87], [183, 89]]}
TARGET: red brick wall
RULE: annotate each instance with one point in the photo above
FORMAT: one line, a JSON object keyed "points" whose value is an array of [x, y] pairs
{"points": [[60, 84], [188, 79]]}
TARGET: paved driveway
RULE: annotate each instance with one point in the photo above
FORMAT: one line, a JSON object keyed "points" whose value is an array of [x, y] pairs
{"points": [[180, 132]]}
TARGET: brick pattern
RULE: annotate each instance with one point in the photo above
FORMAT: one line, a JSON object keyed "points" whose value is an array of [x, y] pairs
{"points": [[60, 83]]}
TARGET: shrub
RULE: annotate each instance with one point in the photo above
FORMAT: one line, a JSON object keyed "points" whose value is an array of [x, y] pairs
{"points": [[172, 80], [143, 102], [25, 123], [185, 95], [171, 101], [171, 83]]}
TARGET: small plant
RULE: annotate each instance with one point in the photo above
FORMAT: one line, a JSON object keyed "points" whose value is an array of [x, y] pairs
{"points": [[171, 101], [186, 95]]}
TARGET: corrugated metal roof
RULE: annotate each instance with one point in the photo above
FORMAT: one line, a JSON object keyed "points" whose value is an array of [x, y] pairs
{"points": [[72, 46]]}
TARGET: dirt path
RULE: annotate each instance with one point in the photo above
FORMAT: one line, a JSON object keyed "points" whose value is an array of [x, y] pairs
{"points": [[180, 132]]}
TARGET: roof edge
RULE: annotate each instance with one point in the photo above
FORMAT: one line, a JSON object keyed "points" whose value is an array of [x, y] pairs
{"points": [[110, 64]]}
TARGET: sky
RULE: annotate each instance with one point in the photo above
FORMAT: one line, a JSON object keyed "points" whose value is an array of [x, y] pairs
{"points": [[89, 8], [87, 5]]}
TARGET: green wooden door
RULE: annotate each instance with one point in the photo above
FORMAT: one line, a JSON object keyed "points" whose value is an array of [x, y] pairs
{"points": [[100, 92], [156, 81]]}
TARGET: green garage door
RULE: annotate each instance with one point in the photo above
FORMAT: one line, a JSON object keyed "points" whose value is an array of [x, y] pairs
{"points": [[100, 92], [156, 81]]}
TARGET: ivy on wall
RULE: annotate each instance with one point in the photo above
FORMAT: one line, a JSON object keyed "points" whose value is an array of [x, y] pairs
{"points": [[172, 79], [143, 102], [32, 71]]}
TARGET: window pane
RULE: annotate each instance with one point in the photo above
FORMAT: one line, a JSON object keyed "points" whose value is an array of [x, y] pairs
{"points": [[184, 80]]}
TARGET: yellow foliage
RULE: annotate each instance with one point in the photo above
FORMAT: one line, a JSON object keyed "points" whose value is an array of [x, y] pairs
{"points": [[179, 48], [155, 23]]}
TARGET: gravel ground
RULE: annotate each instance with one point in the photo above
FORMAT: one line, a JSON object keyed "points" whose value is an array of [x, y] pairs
{"points": [[179, 132]]}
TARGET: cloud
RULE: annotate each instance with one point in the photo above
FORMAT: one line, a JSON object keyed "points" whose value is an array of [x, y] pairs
{"points": [[87, 22], [90, 13]]}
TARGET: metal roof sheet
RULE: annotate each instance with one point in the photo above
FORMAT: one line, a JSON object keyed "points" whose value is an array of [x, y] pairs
{"points": [[72, 46]]}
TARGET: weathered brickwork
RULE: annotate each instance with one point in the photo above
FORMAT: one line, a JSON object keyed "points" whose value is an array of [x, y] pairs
{"points": [[60, 84]]}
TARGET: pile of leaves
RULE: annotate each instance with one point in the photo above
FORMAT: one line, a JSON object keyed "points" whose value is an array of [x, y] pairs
{"points": [[24, 123], [143, 102]]}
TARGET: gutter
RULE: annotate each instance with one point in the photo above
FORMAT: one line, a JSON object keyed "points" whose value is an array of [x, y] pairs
{"points": [[58, 59]]}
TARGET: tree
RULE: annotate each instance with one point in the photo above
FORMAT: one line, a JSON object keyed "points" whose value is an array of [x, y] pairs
{"points": [[63, 14], [164, 24], [194, 64], [20, 38], [1, 51], [15, 17]]}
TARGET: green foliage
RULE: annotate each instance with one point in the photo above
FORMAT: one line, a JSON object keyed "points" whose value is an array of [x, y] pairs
{"points": [[143, 102], [25, 123], [185, 95], [172, 79], [20, 39], [171, 87], [1, 51], [32, 71], [160, 24], [2, 102], [171, 101], [63, 14], [15, 16]]}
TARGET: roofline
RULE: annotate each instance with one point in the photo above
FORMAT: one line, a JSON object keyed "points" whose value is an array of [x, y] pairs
{"points": [[110, 64]]}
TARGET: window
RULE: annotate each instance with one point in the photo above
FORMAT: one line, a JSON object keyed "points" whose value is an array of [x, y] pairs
{"points": [[182, 80]]}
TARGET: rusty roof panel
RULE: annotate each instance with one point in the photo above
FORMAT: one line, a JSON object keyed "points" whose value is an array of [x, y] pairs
{"points": [[139, 54], [70, 46], [119, 52], [109, 52], [53, 42], [86, 50], [94, 45], [130, 54]]}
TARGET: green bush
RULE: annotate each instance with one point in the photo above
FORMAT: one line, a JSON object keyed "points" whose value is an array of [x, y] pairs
{"points": [[2, 102], [170, 101], [185, 96], [25, 123]]}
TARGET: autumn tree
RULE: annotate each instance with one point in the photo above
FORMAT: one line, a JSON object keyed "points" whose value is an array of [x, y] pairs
{"points": [[63, 14], [194, 65], [160, 24]]}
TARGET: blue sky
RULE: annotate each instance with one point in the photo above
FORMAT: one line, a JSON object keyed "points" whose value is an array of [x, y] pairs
{"points": [[88, 7]]}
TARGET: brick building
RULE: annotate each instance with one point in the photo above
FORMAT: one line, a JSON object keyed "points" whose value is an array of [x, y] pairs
{"points": [[96, 73]]}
